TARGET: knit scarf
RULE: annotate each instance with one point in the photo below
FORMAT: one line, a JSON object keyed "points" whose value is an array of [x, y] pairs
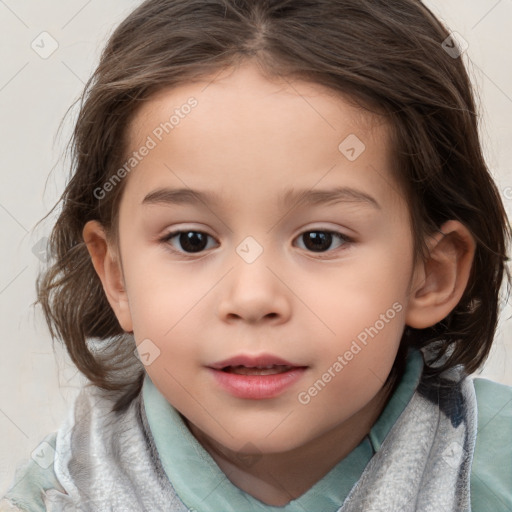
{"points": [[108, 461]]}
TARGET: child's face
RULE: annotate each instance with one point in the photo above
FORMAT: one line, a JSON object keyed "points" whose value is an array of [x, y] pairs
{"points": [[339, 310]]}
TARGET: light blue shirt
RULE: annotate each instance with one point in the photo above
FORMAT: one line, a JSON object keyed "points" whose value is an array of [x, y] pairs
{"points": [[202, 485]]}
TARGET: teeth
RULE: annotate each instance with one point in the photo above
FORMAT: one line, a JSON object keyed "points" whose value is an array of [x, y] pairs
{"points": [[261, 367], [258, 370]]}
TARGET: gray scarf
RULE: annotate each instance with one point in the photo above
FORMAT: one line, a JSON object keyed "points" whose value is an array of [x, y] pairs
{"points": [[108, 462]]}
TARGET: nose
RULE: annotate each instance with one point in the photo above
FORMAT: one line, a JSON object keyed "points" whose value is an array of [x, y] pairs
{"points": [[254, 292]]}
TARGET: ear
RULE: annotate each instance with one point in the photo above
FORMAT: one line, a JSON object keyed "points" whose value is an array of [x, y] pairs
{"points": [[109, 269], [440, 281]]}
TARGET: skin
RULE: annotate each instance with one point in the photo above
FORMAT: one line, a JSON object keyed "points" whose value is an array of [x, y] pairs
{"points": [[249, 139]]}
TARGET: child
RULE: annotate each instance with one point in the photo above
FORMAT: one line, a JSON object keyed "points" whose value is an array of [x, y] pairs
{"points": [[312, 352]]}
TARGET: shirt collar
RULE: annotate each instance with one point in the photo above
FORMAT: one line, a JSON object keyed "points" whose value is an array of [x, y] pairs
{"points": [[201, 484]]}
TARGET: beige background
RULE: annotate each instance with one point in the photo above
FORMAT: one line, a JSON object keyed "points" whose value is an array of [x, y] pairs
{"points": [[35, 387]]}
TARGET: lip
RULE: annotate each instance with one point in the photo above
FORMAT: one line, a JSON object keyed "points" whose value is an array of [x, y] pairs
{"points": [[256, 387], [251, 361]]}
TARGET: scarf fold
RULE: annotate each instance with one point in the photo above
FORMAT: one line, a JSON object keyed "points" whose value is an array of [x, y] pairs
{"points": [[440, 422], [108, 461]]}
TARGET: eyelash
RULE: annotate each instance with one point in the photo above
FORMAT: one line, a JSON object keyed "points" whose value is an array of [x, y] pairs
{"points": [[344, 238]]}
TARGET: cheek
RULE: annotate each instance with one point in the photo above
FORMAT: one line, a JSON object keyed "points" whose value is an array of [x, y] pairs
{"points": [[357, 293], [363, 317], [350, 375], [161, 296], [165, 319]]}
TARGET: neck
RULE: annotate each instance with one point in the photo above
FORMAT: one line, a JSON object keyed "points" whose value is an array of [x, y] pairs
{"points": [[278, 478]]}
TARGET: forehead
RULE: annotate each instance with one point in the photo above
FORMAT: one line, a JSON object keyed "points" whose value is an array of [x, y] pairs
{"points": [[238, 89], [240, 127], [233, 87]]}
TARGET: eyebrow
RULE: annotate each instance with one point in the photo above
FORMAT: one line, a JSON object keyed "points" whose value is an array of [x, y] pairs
{"points": [[303, 197]]}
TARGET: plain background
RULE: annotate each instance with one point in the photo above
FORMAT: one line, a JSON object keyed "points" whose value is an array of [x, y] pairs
{"points": [[37, 386]]}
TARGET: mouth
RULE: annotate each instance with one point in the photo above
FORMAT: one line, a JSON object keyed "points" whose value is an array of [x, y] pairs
{"points": [[256, 377], [258, 370], [253, 364]]}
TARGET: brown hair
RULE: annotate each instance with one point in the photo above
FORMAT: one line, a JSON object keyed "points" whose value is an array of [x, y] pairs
{"points": [[388, 56]]}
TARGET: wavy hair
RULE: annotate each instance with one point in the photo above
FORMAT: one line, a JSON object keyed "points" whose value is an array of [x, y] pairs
{"points": [[387, 56]]}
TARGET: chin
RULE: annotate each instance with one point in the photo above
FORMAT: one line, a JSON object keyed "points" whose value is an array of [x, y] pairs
{"points": [[253, 444]]}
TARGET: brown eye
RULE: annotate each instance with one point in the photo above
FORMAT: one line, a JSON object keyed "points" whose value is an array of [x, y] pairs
{"points": [[190, 241], [321, 241]]}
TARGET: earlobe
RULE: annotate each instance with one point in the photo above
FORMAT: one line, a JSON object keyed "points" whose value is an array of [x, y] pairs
{"points": [[440, 281], [108, 267]]}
